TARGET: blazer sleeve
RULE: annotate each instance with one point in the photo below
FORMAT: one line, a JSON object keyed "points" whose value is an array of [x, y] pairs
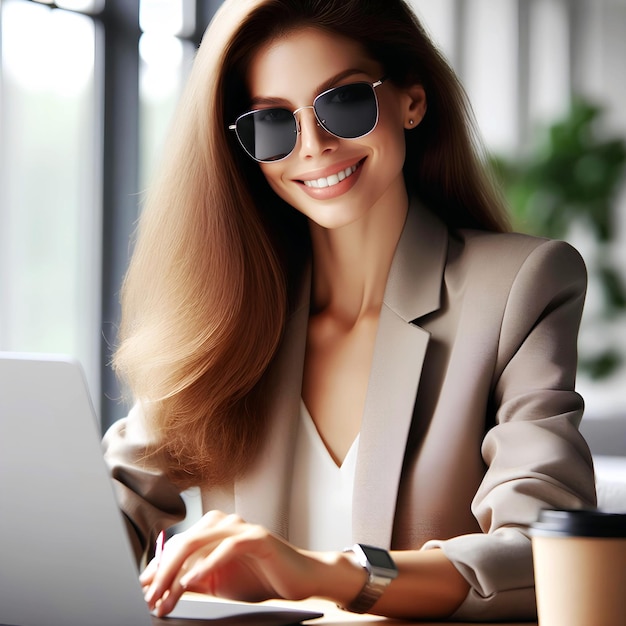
{"points": [[148, 500], [534, 454]]}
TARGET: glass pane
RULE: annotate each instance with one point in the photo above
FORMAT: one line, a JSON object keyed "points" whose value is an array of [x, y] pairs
{"points": [[86, 6], [49, 183], [438, 19], [168, 17], [164, 61], [490, 70]]}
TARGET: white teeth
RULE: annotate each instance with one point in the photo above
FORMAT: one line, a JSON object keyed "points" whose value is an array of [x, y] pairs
{"points": [[331, 180]]}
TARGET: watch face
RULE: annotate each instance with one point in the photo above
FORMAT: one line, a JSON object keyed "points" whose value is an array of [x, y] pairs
{"points": [[378, 557]]}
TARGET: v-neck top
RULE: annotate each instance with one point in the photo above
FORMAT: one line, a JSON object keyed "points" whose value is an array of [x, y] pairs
{"points": [[320, 509]]}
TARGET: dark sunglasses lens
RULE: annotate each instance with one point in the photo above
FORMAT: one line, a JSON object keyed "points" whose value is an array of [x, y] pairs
{"points": [[349, 111], [267, 134]]}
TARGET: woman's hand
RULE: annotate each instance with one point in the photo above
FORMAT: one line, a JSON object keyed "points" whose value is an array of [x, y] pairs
{"points": [[223, 556]]}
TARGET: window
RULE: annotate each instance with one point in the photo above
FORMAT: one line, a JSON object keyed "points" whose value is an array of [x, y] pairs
{"points": [[50, 209], [87, 90]]}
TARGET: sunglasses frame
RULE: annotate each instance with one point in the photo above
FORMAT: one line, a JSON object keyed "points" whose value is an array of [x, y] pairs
{"points": [[320, 122]]}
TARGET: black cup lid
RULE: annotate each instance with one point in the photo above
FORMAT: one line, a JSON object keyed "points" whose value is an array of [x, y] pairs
{"points": [[579, 523]]}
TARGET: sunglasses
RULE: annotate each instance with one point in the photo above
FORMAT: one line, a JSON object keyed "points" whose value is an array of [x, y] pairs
{"points": [[348, 112]]}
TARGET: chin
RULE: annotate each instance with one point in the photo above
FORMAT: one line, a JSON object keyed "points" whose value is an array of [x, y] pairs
{"points": [[330, 214]]}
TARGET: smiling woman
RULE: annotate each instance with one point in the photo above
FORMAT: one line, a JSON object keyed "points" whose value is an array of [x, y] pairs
{"points": [[331, 290]]}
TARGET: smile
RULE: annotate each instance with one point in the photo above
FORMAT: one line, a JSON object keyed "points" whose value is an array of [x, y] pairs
{"points": [[333, 179]]}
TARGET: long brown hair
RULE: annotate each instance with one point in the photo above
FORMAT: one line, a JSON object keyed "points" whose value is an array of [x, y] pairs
{"points": [[218, 254]]}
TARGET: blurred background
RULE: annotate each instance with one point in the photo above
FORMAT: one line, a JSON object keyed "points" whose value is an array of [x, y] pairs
{"points": [[87, 88]]}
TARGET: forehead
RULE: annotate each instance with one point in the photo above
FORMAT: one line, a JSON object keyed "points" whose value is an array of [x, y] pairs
{"points": [[304, 59]]}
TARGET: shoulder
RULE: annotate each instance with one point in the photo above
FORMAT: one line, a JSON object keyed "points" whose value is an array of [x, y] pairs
{"points": [[515, 255]]}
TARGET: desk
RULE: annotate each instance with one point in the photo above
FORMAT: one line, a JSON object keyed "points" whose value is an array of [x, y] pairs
{"points": [[333, 616]]}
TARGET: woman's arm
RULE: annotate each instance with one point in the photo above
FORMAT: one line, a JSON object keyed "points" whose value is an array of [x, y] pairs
{"points": [[428, 585], [534, 455], [222, 555], [148, 500]]}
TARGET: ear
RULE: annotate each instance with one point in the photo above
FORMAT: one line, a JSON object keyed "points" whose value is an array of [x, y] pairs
{"points": [[415, 108]]}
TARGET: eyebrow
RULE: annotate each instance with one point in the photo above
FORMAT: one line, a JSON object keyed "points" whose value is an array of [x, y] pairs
{"points": [[327, 84]]}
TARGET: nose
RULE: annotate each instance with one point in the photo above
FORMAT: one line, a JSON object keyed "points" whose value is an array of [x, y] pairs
{"points": [[314, 139]]}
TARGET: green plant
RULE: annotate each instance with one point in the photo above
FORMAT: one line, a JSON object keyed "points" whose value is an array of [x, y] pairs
{"points": [[572, 176]]}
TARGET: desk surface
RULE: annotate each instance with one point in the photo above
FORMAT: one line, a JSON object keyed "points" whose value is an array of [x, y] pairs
{"points": [[333, 616]]}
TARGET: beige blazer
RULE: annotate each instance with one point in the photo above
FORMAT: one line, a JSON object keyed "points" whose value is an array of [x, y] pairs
{"points": [[470, 421]]}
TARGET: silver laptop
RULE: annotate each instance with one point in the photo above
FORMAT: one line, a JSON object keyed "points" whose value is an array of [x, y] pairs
{"points": [[65, 557]]}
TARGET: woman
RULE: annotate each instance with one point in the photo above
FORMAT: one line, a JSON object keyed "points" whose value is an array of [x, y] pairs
{"points": [[327, 328]]}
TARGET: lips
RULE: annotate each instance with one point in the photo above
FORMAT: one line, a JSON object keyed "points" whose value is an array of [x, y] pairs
{"points": [[333, 179]]}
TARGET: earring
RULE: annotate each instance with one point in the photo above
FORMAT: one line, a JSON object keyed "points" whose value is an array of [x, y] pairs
{"points": [[411, 122]]}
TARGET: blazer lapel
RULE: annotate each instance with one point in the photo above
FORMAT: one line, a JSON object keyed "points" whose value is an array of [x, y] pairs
{"points": [[413, 290]]}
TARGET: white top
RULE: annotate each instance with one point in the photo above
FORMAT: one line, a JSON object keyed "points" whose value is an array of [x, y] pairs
{"points": [[320, 513]]}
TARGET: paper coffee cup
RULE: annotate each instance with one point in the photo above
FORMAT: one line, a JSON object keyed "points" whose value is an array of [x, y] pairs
{"points": [[580, 568]]}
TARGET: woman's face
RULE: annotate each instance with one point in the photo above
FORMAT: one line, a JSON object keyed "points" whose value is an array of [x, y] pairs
{"points": [[290, 72]]}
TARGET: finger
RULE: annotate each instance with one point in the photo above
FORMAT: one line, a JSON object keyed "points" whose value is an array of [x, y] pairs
{"points": [[169, 600], [145, 578], [183, 548], [195, 543], [161, 575]]}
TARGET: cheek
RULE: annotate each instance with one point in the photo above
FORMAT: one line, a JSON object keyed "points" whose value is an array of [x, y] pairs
{"points": [[273, 177], [392, 144], [390, 132], [270, 173]]}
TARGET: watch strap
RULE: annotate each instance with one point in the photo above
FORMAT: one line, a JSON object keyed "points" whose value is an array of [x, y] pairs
{"points": [[377, 581], [367, 597]]}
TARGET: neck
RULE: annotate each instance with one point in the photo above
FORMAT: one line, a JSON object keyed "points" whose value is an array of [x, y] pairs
{"points": [[351, 264]]}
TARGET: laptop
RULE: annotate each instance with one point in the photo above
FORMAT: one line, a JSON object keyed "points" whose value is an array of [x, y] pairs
{"points": [[65, 557]]}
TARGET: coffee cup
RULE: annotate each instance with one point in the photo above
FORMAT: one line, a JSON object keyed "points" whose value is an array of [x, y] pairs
{"points": [[580, 567]]}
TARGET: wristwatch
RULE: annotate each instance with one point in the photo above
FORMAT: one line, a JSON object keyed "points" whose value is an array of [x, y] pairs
{"points": [[381, 570]]}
